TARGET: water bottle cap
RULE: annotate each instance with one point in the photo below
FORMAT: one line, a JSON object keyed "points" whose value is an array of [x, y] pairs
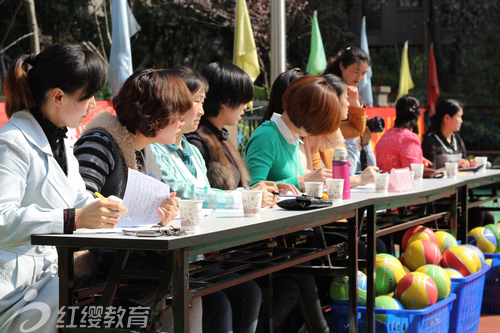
{"points": [[340, 154]]}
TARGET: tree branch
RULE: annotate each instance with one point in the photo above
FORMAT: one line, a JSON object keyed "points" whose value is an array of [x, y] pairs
{"points": [[16, 41]]}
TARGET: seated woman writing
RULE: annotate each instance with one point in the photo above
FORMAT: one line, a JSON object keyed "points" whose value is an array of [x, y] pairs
{"points": [[182, 166]]}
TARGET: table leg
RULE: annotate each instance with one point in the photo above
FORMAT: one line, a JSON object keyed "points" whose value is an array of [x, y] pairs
{"points": [[66, 278], [180, 283], [352, 241], [371, 243], [463, 225]]}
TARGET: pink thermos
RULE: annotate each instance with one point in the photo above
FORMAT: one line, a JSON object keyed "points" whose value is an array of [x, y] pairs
{"points": [[340, 170]]}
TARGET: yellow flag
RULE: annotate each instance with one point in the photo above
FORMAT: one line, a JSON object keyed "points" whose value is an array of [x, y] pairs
{"points": [[245, 52], [405, 81]]}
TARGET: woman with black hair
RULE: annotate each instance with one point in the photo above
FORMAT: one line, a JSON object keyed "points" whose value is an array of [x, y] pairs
{"points": [[42, 190], [400, 145]]}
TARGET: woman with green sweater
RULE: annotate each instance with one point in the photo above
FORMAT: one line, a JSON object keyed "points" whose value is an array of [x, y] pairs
{"points": [[272, 153]]}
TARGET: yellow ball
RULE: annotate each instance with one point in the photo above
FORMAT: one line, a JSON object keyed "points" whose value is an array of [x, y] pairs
{"points": [[483, 238], [461, 258], [445, 240], [440, 277], [416, 291], [421, 252]]}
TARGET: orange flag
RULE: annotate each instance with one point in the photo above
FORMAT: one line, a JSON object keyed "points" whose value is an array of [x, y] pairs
{"points": [[432, 84]]}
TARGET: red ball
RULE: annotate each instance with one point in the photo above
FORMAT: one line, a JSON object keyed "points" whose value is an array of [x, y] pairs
{"points": [[422, 252], [429, 233], [461, 258], [416, 291]]}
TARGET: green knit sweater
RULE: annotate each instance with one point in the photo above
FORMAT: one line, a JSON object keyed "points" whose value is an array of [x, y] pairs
{"points": [[270, 157]]}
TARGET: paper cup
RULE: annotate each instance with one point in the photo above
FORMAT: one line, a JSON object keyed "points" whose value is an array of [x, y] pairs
{"points": [[451, 169], [382, 182], [412, 176], [419, 170], [191, 213], [335, 189], [481, 160], [314, 189], [252, 201]]}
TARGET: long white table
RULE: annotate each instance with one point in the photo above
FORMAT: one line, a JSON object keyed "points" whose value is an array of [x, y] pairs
{"points": [[226, 230]]}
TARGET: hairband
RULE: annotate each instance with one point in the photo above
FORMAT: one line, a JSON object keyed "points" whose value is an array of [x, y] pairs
{"points": [[31, 59]]}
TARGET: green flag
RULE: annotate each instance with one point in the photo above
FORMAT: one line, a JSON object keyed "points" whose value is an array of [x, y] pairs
{"points": [[317, 58]]}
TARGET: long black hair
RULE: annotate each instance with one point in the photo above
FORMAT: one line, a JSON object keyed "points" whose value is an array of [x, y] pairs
{"points": [[70, 67], [347, 57]]}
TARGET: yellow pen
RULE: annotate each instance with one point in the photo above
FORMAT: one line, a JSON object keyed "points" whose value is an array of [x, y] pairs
{"points": [[100, 196]]}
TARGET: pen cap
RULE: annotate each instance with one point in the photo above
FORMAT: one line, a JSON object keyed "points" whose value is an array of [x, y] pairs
{"points": [[340, 154]]}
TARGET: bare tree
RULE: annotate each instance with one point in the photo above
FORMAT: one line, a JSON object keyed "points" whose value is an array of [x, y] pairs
{"points": [[33, 25]]}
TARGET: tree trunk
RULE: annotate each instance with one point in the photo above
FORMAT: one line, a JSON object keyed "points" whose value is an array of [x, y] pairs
{"points": [[33, 25]]}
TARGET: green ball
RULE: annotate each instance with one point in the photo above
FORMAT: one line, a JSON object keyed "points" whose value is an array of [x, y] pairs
{"points": [[386, 302], [440, 277], [339, 289], [496, 230]]}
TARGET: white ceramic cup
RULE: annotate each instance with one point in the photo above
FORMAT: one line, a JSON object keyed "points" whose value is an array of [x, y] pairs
{"points": [[335, 189], [451, 169], [382, 182], [191, 212], [481, 160], [314, 189], [252, 201], [419, 170]]}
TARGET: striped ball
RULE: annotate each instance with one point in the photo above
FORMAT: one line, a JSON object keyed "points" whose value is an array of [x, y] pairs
{"points": [[496, 230], [453, 273], [440, 277], [421, 252], [416, 291], [424, 233], [483, 238], [480, 256], [339, 289], [461, 258], [410, 232], [388, 271], [386, 302], [445, 240]]}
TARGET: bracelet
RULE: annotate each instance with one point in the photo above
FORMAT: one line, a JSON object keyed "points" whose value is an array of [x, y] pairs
{"points": [[69, 220]]}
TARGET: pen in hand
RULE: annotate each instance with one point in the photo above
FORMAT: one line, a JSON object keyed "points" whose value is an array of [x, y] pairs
{"points": [[100, 196]]}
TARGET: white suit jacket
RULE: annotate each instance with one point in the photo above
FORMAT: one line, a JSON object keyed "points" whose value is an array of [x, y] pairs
{"points": [[34, 191]]}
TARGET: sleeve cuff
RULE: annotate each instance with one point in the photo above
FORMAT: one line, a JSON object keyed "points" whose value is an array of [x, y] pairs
{"points": [[69, 220]]}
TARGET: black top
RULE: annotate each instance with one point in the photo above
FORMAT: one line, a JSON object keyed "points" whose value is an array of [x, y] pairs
{"points": [[436, 144], [56, 137]]}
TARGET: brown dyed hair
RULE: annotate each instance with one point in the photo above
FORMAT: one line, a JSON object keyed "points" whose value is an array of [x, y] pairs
{"points": [[310, 102], [149, 99]]}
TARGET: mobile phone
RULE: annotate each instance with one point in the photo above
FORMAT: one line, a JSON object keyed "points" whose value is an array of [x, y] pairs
{"points": [[149, 233]]}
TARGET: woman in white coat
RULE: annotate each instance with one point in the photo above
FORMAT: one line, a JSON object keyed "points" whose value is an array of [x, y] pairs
{"points": [[41, 188]]}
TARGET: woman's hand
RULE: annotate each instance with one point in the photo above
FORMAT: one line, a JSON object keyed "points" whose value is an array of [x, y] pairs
{"points": [[285, 188], [168, 209], [99, 214], [352, 96], [463, 163], [426, 162], [268, 189], [318, 175], [365, 177]]}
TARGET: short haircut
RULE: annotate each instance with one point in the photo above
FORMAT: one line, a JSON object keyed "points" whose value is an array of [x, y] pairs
{"points": [[311, 103], [194, 80], [149, 99], [70, 67], [228, 85]]}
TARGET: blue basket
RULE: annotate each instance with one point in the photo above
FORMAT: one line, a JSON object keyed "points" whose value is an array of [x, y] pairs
{"points": [[467, 308], [433, 319], [491, 295]]}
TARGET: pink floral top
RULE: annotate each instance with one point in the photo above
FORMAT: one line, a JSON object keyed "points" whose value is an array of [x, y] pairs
{"points": [[398, 148]]}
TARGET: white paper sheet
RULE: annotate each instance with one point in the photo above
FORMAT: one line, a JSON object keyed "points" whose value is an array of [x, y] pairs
{"points": [[142, 195]]}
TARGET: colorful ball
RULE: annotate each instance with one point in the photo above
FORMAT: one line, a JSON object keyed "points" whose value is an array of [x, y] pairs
{"points": [[440, 277], [445, 240], [453, 273], [388, 273], [496, 230], [416, 291], [421, 252], [339, 289], [424, 233], [386, 302], [479, 254], [483, 238], [461, 258], [408, 234]]}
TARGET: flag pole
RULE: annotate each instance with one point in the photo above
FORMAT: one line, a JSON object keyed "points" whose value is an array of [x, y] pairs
{"points": [[278, 38]]}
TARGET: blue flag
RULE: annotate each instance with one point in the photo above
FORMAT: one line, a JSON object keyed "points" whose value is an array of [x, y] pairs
{"points": [[124, 26], [365, 86]]}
